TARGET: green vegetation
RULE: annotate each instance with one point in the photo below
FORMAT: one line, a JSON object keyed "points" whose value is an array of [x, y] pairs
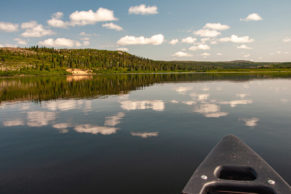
{"points": [[41, 88], [43, 61]]}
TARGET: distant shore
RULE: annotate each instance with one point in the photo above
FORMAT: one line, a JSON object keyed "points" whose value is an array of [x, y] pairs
{"points": [[82, 73], [52, 62]]}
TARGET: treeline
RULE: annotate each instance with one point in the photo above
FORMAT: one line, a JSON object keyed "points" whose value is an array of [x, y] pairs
{"points": [[50, 59], [42, 88]]}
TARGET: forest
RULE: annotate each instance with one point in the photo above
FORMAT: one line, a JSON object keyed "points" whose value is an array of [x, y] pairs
{"points": [[42, 88], [41, 60]]}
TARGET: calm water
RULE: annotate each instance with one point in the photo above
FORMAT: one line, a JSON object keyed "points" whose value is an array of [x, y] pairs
{"points": [[134, 133]]}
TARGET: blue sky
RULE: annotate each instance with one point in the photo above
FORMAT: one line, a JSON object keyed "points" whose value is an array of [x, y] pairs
{"points": [[208, 30]]}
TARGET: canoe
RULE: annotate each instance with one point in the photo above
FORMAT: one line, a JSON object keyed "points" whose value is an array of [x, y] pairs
{"points": [[232, 167]]}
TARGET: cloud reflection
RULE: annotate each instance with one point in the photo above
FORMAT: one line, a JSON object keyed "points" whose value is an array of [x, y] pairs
{"points": [[62, 127], [65, 105], [145, 134], [13, 123], [61, 105], [114, 120], [39, 119], [202, 97], [210, 110], [199, 97], [205, 89], [252, 122], [72, 78], [25, 107], [156, 105], [234, 103], [87, 128], [216, 114], [183, 90], [189, 102]]}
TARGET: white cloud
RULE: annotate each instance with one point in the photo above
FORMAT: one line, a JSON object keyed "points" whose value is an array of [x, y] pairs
{"points": [[82, 18], [252, 122], [182, 54], [200, 47], [13, 123], [20, 41], [203, 40], [287, 39], [8, 27], [60, 42], [243, 46], [85, 34], [145, 134], [123, 49], [205, 54], [237, 39], [216, 26], [156, 105], [90, 17], [141, 40], [213, 42], [242, 95], [112, 26], [85, 38], [33, 29], [27, 25], [247, 55], [189, 40], [85, 43], [39, 119], [58, 15], [252, 17], [207, 33], [56, 21], [87, 128], [219, 54], [114, 120], [8, 45], [143, 10], [174, 41]]}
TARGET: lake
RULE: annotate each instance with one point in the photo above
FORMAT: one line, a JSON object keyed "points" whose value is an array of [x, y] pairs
{"points": [[134, 133]]}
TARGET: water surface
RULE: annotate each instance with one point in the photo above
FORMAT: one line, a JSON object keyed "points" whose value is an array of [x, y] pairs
{"points": [[134, 133]]}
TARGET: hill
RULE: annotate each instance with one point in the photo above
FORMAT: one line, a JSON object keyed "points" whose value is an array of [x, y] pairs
{"points": [[37, 60]]}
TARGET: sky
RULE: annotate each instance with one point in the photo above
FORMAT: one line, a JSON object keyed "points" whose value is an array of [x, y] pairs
{"points": [[199, 30]]}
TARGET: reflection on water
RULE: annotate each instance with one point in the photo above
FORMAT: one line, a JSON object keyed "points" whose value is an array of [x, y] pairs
{"points": [[156, 105], [83, 135], [145, 134], [78, 78]]}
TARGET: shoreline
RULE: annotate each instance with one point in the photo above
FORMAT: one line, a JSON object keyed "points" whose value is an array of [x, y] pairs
{"points": [[141, 73]]}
